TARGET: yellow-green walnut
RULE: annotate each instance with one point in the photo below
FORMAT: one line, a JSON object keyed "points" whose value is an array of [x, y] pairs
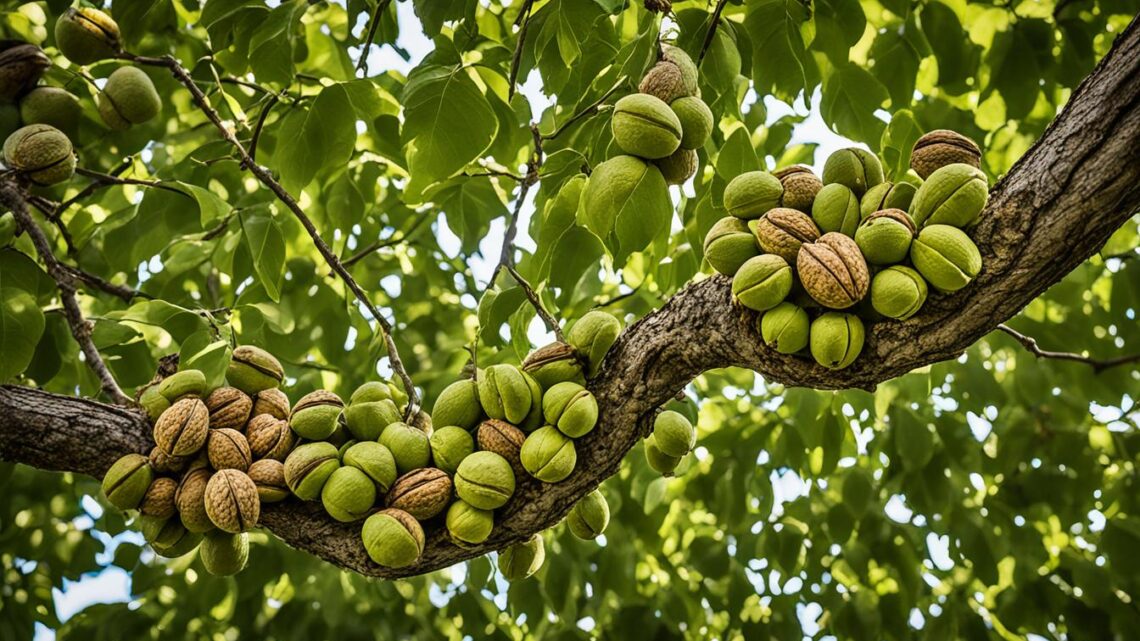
{"points": [[374, 460], [571, 408], [52, 106], [316, 415], [590, 516], [126, 482], [168, 537], [752, 193], [551, 364], [393, 538], [128, 98], [833, 271], [522, 560], [40, 153], [533, 419], [423, 493], [186, 382], [309, 467], [593, 335], [762, 282], [836, 209], [942, 147], [21, 66], [661, 462], [898, 292], [408, 445], [269, 477], [231, 501], [800, 187], [224, 554], [253, 369], [856, 168], [373, 391], [887, 195], [485, 480], [673, 433], [86, 35], [504, 393], [348, 494], [366, 420], [836, 339], [645, 126], [449, 446], [946, 257], [467, 524], [885, 237], [696, 121], [548, 455], [953, 195], [458, 404], [784, 328], [782, 230], [679, 166], [729, 244]]}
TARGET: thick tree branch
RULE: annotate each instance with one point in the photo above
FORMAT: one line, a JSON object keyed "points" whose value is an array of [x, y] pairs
{"points": [[1055, 209]]}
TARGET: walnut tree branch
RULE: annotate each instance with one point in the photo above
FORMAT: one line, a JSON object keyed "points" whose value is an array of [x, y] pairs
{"points": [[714, 22], [366, 46], [1098, 365]]}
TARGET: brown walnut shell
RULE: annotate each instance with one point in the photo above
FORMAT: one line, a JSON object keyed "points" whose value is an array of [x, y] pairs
{"points": [[503, 439], [164, 463], [833, 271], [159, 498], [182, 428], [229, 408], [273, 402], [269, 477], [190, 498], [897, 215], [269, 437], [800, 187], [943, 147], [317, 398], [781, 231], [423, 493], [228, 449], [231, 501]]}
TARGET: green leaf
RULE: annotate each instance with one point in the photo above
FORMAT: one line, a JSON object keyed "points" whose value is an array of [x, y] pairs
{"points": [[266, 247], [211, 207], [201, 351], [898, 142], [321, 137], [737, 155], [851, 96], [21, 325], [781, 64]]}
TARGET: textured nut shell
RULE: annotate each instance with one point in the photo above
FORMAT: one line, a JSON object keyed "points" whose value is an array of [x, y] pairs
{"points": [[833, 271], [228, 450], [229, 408], [182, 429], [269, 437], [271, 401], [800, 187], [423, 493], [231, 501], [665, 81], [942, 147], [21, 67], [191, 500], [781, 231], [42, 153], [317, 398], [164, 463], [503, 439], [679, 166], [159, 498], [269, 477]]}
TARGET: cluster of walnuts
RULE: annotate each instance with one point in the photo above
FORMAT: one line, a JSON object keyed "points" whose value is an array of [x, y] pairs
{"points": [[39, 122], [818, 256]]}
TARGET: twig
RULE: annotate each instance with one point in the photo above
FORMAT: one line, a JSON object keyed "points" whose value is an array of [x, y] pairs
{"points": [[714, 22], [108, 179], [495, 173], [261, 123], [550, 322], [12, 197], [524, 16], [590, 110], [373, 24], [122, 291], [1097, 365], [266, 178], [395, 239], [620, 297], [49, 210]]}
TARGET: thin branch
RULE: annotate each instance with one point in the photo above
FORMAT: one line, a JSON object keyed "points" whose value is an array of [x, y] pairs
{"points": [[495, 173], [516, 59], [266, 178], [550, 321], [49, 209], [260, 124], [713, 23], [588, 111], [1097, 365], [122, 291], [108, 179], [395, 239], [90, 189], [620, 297], [373, 24], [13, 197]]}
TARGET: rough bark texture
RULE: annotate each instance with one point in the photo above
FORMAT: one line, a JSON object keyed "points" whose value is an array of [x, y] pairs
{"points": [[1056, 207]]}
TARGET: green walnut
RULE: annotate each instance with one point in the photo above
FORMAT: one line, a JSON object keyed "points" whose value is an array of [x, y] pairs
{"points": [[408, 445], [373, 391], [898, 292], [504, 393], [365, 421], [393, 538], [590, 516], [593, 335], [689, 73], [458, 404], [885, 237], [548, 455], [616, 196], [21, 66], [309, 467], [752, 193], [269, 477], [224, 554], [41, 153], [127, 481], [674, 434], [953, 195], [128, 98], [86, 35], [836, 209], [946, 257], [449, 446], [467, 524], [187, 382], [887, 195], [661, 462], [485, 480], [782, 230], [696, 121], [836, 339], [762, 282], [52, 106], [522, 560], [316, 415], [943, 147], [675, 76], [800, 187], [231, 501], [571, 408], [374, 460], [348, 494], [784, 328], [856, 168], [729, 244], [253, 369], [552, 364], [153, 402], [8, 233], [168, 537], [645, 126], [833, 271], [679, 166], [533, 419]]}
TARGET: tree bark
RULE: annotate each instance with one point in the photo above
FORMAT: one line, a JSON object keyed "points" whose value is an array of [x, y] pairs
{"points": [[1056, 207]]}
